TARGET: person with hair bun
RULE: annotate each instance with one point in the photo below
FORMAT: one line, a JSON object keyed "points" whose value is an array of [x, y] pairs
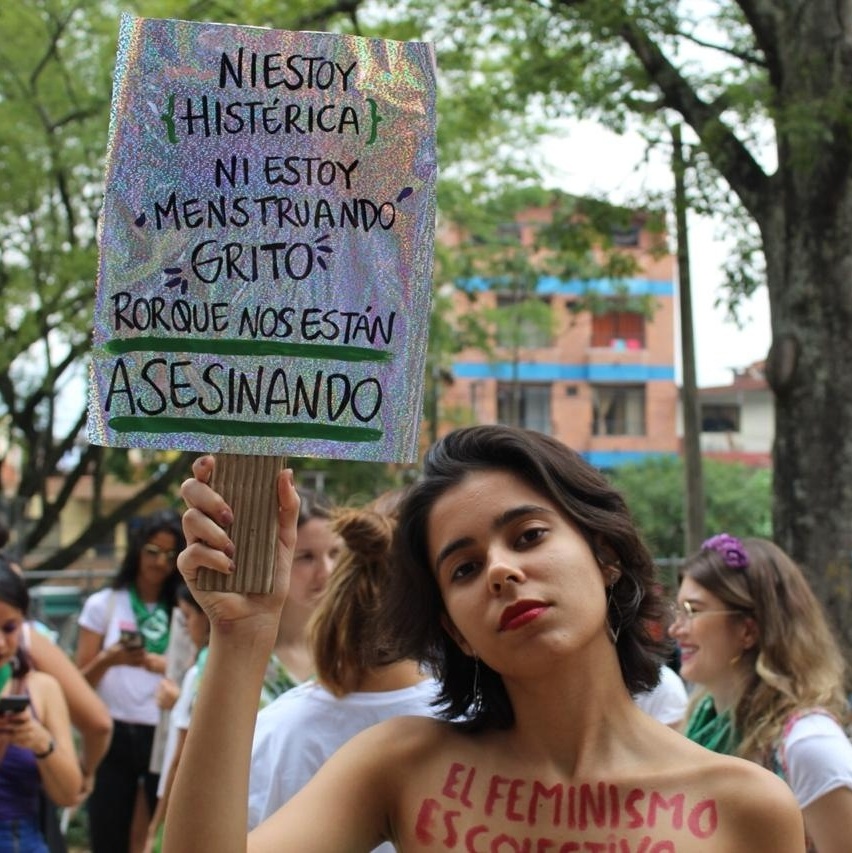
{"points": [[360, 679], [36, 745], [771, 677], [520, 577]]}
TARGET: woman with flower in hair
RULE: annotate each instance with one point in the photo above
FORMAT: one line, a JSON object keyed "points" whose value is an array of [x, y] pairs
{"points": [[754, 638]]}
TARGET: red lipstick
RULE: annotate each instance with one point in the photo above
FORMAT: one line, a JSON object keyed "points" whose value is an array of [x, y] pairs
{"points": [[521, 613]]}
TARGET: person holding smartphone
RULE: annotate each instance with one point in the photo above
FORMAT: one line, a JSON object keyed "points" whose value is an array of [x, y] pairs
{"points": [[36, 746], [124, 633]]}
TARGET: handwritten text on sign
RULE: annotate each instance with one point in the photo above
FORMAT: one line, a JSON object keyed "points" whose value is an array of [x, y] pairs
{"points": [[266, 243]]}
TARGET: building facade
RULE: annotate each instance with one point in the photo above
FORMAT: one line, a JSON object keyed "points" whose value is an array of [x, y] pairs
{"points": [[600, 377], [738, 420]]}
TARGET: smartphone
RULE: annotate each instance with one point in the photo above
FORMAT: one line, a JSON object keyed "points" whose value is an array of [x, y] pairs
{"points": [[13, 704], [131, 639]]}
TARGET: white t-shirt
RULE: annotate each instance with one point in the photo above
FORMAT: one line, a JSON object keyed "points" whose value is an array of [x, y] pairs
{"points": [[178, 721], [128, 691], [295, 735], [668, 700], [818, 757]]}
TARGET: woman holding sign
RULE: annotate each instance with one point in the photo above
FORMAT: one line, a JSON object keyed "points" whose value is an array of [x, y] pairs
{"points": [[523, 580], [124, 633]]}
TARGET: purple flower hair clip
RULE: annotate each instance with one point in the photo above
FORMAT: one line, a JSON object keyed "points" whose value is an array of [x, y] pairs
{"points": [[732, 549]]}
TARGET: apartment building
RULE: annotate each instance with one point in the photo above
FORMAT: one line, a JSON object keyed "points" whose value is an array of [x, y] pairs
{"points": [[600, 376]]}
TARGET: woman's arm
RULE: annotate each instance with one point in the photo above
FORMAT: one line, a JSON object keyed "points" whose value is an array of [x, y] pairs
{"points": [[50, 736], [828, 821], [208, 803], [88, 713]]}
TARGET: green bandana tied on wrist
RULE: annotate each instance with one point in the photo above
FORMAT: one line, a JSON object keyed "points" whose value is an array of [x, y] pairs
{"points": [[152, 624], [712, 730]]}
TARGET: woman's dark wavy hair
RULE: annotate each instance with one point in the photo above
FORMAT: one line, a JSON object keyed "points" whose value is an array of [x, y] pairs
{"points": [[165, 520], [586, 497], [13, 591]]}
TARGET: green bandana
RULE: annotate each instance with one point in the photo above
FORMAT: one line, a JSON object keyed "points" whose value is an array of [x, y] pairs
{"points": [[5, 675], [712, 730], [276, 681], [152, 624]]}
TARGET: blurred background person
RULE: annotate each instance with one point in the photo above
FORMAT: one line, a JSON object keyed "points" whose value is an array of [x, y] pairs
{"points": [[317, 546], [124, 633], [361, 680], [198, 628], [771, 677], [36, 746]]}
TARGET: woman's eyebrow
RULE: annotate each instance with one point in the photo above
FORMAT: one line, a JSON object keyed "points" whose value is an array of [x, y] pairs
{"points": [[499, 522]]}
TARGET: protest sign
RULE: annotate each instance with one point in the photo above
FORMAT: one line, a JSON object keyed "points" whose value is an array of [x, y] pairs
{"points": [[266, 247], [266, 243]]}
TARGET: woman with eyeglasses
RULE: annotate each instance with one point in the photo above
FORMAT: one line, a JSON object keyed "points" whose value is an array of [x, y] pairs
{"points": [[124, 634], [37, 752], [771, 677]]}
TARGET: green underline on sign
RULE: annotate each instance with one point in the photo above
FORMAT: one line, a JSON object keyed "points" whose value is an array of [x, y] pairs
{"points": [[164, 425], [330, 352]]}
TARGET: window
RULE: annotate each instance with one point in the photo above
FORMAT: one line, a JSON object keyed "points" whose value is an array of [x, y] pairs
{"points": [[524, 405], [627, 237], [622, 329], [523, 321], [724, 417], [618, 409]]}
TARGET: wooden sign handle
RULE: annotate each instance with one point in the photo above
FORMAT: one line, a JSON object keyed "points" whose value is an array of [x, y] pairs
{"points": [[247, 483]]}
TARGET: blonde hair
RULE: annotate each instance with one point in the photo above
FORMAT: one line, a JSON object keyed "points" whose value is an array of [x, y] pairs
{"points": [[343, 630], [796, 662]]}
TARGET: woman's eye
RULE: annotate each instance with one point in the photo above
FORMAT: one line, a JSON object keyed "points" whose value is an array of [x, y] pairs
{"points": [[462, 571], [531, 535]]}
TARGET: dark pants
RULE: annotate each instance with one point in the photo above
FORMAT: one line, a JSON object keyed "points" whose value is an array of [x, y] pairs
{"points": [[111, 803]]}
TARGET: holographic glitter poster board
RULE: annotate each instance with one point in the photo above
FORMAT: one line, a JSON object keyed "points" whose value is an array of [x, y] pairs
{"points": [[266, 243]]}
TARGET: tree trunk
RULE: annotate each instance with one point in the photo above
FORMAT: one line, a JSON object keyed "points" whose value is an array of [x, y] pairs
{"points": [[809, 266], [693, 496]]}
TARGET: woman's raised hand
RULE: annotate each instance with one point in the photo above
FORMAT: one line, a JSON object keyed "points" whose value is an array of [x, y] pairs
{"points": [[208, 545]]}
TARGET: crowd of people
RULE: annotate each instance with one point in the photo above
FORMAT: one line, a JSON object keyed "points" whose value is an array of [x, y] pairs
{"points": [[481, 661]]}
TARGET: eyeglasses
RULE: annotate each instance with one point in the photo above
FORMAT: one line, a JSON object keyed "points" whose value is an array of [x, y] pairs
{"points": [[155, 552], [684, 612]]}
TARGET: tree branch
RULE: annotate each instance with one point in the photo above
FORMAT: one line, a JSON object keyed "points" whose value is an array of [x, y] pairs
{"points": [[96, 531], [732, 159]]}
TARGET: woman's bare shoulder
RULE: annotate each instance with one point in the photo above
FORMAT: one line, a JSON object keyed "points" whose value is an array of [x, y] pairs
{"points": [[407, 734], [757, 810]]}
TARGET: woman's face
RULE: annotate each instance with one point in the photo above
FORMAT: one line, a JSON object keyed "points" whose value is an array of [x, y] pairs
{"points": [[317, 547], [158, 558], [197, 624], [517, 578], [11, 620], [711, 638]]}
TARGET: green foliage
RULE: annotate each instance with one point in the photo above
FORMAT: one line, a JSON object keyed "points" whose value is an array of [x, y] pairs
{"points": [[738, 500]]}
